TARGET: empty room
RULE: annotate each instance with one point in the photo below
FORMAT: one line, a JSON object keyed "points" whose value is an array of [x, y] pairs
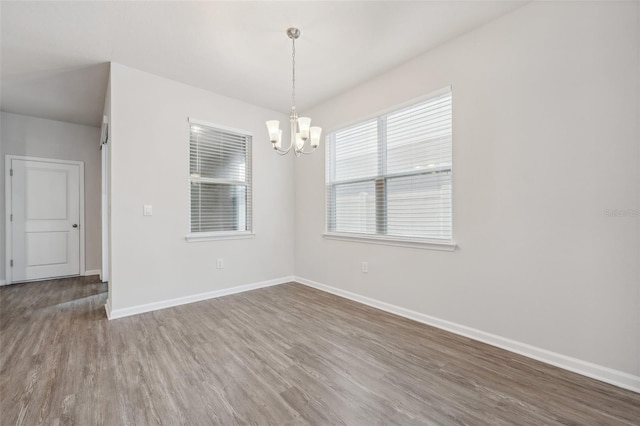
{"points": [[320, 213]]}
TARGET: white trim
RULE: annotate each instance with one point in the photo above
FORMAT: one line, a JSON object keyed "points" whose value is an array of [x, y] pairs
{"points": [[397, 107], [3, 282], [91, 272], [8, 237], [219, 127], [214, 236], [392, 241], [154, 306], [42, 159], [105, 148], [82, 221], [8, 208], [107, 309], [585, 368], [104, 130]]}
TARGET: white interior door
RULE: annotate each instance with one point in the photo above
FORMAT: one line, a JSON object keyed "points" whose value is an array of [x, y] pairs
{"points": [[45, 208]]}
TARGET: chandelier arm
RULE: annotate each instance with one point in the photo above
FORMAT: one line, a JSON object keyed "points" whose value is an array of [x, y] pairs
{"points": [[283, 151], [307, 152]]}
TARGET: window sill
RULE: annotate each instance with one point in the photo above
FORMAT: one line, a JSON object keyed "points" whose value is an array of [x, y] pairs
{"points": [[215, 236], [393, 241]]}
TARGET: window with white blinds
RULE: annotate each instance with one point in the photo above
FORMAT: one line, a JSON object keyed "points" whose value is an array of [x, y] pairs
{"points": [[219, 180], [391, 176]]}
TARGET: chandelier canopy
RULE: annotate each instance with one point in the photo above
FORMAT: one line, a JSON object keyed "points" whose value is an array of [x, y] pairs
{"points": [[301, 129]]}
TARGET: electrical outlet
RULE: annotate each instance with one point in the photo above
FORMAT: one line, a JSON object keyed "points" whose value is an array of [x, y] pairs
{"points": [[147, 210], [220, 263], [365, 267]]}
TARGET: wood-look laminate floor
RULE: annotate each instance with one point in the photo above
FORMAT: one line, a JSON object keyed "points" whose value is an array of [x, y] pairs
{"points": [[284, 355]]}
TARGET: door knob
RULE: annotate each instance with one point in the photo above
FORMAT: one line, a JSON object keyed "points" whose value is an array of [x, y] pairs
{"points": [[75, 225]]}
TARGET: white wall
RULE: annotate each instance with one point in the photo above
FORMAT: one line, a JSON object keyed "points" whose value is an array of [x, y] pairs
{"points": [[37, 137], [151, 260], [546, 139]]}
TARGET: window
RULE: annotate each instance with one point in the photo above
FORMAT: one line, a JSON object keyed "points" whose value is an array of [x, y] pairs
{"points": [[219, 180], [390, 177]]}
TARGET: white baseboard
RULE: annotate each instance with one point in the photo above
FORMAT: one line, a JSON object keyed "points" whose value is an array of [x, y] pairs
{"points": [[148, 307], [585, 368], [107, 308], [3, 282], [91, 272]]}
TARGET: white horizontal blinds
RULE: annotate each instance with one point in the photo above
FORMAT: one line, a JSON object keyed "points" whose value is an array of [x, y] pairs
{"points": [[419, 137], [356, 151], [420, 206], [418, 169], [392, 175], [217, 154], [352, 171], [355, 207], [220, 179]]}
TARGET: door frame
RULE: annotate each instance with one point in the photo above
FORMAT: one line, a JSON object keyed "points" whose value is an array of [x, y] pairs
{"points": [[8, 208], [104, 199]]}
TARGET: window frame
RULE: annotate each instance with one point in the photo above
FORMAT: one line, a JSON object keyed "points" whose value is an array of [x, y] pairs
{"points": [[248, 183], [382, 179]]}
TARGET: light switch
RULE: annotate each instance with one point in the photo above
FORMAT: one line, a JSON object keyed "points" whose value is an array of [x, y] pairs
{"points": [[147, 210]]}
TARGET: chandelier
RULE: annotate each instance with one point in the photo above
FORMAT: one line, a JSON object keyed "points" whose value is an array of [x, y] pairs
{"points": [[301, 130]]}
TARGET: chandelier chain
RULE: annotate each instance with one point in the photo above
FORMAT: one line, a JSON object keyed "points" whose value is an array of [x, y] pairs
{"points": [[293, 85]]}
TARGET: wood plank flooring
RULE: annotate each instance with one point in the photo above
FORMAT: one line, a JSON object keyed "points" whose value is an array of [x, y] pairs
{"points": [[284, 355]]}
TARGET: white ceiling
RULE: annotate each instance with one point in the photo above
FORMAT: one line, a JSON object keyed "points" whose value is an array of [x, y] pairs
{"points": [[54, 54]]}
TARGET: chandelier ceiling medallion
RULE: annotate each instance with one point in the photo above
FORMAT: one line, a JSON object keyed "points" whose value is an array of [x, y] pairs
{"points": [[301, 130]]}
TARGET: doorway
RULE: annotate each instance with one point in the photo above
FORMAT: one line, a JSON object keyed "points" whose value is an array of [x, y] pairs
{"points": [[44, 218]]}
